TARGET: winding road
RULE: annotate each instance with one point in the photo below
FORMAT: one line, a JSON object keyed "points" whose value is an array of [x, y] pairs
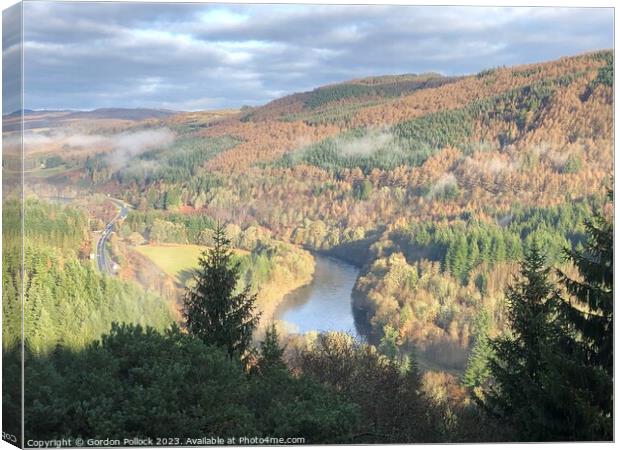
{"points": [[104, 263]]}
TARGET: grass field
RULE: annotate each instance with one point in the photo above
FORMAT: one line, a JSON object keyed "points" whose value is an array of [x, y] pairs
{"points": [[176, 260], [45, 173]]}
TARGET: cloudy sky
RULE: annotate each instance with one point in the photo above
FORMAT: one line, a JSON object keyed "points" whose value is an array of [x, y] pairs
{"points": [[197, 56]]}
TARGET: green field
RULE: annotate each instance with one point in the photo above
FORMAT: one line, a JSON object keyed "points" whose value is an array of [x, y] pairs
{"points": [[177, 260], [45, 173]]}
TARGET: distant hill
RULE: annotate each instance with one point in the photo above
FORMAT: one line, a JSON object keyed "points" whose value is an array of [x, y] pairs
{"points": [[34, 119], [101, 113], [122, 114], [355, 94]]}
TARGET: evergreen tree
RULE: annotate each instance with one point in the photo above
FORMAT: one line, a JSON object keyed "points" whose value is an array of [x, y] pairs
{"points": [[589, 315], [477, 372], [270, 351], [213, 309], [389, 342], [518, 395], [456, 257], [594, 292]]}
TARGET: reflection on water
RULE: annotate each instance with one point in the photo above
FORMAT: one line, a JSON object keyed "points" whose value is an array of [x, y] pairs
{"points": [[325, 304]]}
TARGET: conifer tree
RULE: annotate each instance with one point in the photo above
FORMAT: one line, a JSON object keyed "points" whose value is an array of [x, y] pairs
{"points": [[213, 309], [518, 366], [589, 315], [594, 292], [477, 372], [270, 351], [389, 342]]}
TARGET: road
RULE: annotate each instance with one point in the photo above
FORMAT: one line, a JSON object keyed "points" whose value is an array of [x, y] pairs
{"points": [[104, 263]]}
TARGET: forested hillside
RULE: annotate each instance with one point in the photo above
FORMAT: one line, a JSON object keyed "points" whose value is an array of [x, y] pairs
{"points": [[459, 199], [66, 300], [433, 185], [417, 176]]}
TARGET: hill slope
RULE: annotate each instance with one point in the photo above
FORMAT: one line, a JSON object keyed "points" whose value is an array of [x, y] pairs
{"points": [[434, 185]]}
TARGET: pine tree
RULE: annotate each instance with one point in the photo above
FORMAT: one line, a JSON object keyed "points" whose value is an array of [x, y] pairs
{"points": [[589, 315], [518, 366], [213, 310], [389, 342], [594, 292], [456, 258], [477, 372], [270, 351]]}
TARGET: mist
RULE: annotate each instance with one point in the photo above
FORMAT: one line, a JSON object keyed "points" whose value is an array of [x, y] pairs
{"points": [[121, 147]]}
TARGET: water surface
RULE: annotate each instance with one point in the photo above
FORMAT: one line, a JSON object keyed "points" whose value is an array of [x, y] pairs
{"points": [[324, 304]]}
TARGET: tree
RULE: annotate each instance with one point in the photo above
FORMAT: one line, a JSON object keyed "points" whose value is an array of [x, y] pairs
{"points": [[392, 406], [477, 372], [141, 382], [213, 309], [456, 258], [270, 351], [389, 342], [518, 394], [589, 313], [594, 292]]}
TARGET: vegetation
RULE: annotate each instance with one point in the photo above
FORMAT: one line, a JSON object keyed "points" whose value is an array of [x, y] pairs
{"points": [[212, 310], [551, 378], [390, 88], [441, 189], [147, 384], [66, 301], [412, 142]]}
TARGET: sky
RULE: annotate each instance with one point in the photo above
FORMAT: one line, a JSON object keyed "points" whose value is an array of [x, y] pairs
{"points": [[200, 56]]}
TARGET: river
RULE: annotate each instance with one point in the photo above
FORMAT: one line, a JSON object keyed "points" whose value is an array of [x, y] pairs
{"points": [[324, 304]]}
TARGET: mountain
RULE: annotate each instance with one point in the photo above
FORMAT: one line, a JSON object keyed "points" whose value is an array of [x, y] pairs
{"points": [[135, 114]]}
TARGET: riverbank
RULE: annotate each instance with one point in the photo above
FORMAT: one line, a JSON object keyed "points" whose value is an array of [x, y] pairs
{"points": [[285, 268], [291, 272]]}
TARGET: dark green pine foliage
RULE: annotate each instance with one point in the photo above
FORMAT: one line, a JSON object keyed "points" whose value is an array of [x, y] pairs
{"points": [[518, 394], [589, 313], [477, 373], [139, 382], [271, 354], [595, 291], [214, 310]]}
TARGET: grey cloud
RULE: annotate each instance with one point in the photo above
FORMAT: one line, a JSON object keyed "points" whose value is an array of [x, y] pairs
{"points": [[198, 56], [11, 59]]}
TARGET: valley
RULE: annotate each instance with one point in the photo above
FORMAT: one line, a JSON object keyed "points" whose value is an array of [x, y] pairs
{"points": [[396, 208], [323, 224]]}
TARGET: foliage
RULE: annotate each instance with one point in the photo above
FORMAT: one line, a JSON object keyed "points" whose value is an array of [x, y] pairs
{"points": [[464, 245], [180, 161], [70, 303], [392, 407], [47, 224], [519, 364], [590, 317], [552, 375], [412, 142], [605, 75], [212, 310], [477, 372], [66, 301], [142, 383], [390, 88]]}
